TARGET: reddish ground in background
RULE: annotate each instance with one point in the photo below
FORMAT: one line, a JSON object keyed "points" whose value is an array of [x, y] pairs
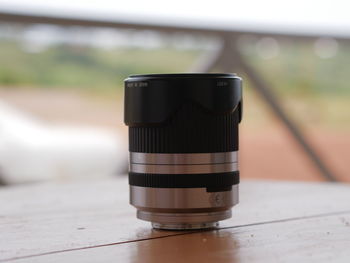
{"points": [[264, 154]]}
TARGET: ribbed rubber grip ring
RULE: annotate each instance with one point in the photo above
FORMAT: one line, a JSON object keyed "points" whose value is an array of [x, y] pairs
{"points": [[212, 180]]}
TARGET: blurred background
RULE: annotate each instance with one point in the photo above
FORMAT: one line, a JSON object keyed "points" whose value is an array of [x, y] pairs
{"points": [[62, 67]]}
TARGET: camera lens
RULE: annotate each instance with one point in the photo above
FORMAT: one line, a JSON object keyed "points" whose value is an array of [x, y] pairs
{"points": [[183, 143]]}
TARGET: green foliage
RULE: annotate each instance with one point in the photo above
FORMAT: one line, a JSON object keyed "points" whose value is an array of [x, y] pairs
{"points": [[298, 71], [82, 67], [315, 90], [295, 71]]}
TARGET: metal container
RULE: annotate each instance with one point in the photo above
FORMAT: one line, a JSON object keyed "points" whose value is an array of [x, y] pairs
{"points": [[183, 143]]}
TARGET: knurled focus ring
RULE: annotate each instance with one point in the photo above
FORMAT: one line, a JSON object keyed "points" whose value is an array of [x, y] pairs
{"points": [[212, 181]]}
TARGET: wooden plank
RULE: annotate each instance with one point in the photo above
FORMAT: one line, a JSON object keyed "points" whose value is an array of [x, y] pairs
{"points": [[45, 218], [324, 239]]}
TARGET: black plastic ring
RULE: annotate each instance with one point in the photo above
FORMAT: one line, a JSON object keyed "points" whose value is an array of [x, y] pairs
{"points": [[211, 181]]}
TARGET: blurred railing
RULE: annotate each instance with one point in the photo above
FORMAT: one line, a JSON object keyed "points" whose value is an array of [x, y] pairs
{"points": [[226, 58]]}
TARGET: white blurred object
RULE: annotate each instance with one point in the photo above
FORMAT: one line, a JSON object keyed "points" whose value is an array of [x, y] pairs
{"points": [[31, 151]]}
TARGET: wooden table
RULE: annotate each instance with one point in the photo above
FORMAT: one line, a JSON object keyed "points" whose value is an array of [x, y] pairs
{"points": [[92, 222]]}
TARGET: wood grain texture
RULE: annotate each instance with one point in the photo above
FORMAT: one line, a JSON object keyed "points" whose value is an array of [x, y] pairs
{"points": [[91, 220], [324, 239]]}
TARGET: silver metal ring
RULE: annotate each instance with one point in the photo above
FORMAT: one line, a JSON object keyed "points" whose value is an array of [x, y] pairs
{"points": [[183, 169], [185, 226], [183, 220], [181, 198], [192, 163], [183, 158]]}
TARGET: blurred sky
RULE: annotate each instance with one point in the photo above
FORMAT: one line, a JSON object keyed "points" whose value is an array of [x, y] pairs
{"points": [[308, 17]]}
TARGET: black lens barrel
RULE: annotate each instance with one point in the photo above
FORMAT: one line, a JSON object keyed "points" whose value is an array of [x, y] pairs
{"points": [[183, 143]]}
